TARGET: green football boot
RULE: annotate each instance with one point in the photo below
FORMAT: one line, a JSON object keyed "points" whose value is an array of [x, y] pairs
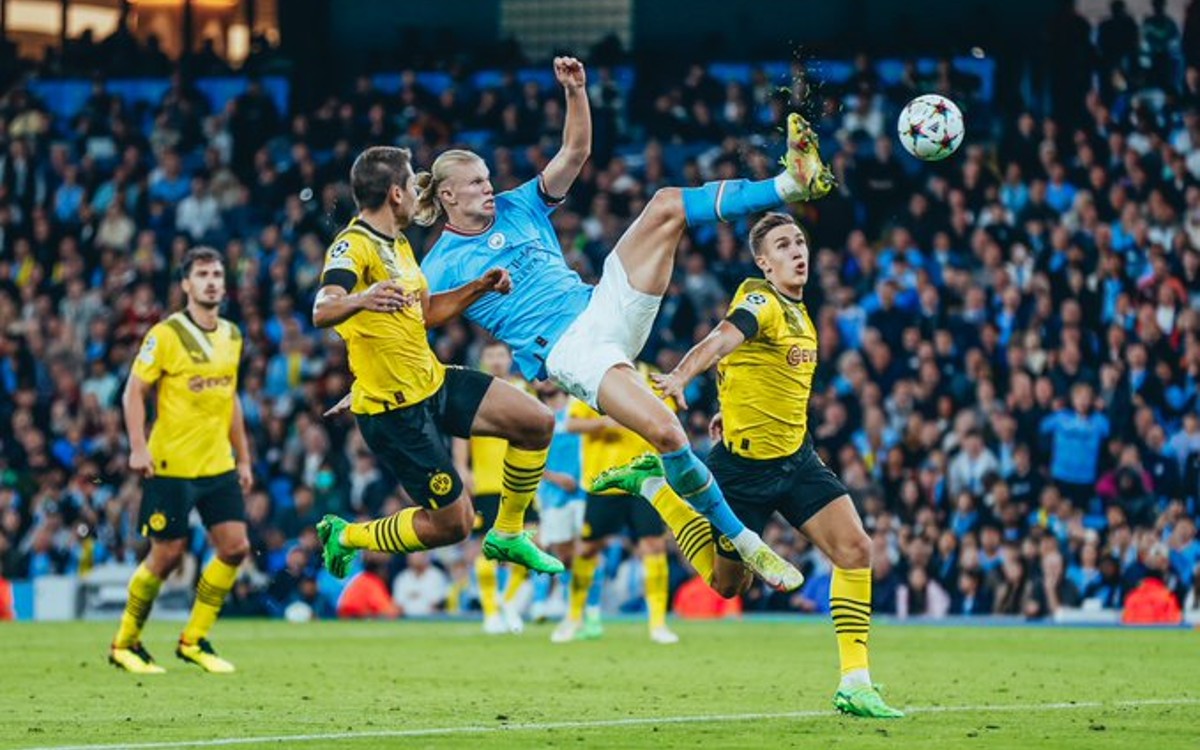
{"points": [[628, 478], [521, 550], [337, 556], [864, 701]]}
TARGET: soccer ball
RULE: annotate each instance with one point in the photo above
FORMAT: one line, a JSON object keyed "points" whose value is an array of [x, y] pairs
{"points": [[930, 127]]}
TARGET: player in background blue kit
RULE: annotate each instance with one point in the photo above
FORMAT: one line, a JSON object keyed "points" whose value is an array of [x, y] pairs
{"points": [[585, 337]]}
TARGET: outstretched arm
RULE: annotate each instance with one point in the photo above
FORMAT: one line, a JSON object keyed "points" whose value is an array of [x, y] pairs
{"points": [[560, 173], [334, 302], [724, 339], [441, 308]]}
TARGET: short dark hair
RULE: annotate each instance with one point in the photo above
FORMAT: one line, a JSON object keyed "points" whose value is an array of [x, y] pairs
{"points": [[770, 221], [198, 255], [374, 173]]}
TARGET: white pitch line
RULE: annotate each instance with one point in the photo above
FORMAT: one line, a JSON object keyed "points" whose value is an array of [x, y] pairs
{"points": [[606, 724]]}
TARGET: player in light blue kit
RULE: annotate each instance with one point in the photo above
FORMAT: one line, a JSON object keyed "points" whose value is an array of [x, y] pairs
{"points": [[586, 337], [561, 497]]}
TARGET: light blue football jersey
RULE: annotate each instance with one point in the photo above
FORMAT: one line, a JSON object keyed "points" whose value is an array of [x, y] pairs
{"points": [[546, 296], [565, 457]]}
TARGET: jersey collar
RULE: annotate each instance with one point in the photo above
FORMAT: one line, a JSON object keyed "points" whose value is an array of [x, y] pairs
{"points": [[464, 233], [359, 222], [789, 298], [188, 314]]}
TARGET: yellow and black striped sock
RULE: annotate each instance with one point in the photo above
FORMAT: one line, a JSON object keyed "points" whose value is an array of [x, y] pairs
{"points": [[143, 588], [215, 584], [396, 533], [693, 533], [657, 585], [523, 471], [485, 576], [517, 574], [583, 570], [850, 607]]}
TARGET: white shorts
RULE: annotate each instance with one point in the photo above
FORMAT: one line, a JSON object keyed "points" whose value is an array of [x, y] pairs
{"points": [[610, 331], [562, 524]]}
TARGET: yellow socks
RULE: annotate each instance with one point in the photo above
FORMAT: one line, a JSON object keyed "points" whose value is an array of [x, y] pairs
{"points": [[583, 570], [693, 533], [215, 583], [516, 578], [395, 533], [485, 576], [656, 589], [850, 607], [143, 588], [522, 474]]}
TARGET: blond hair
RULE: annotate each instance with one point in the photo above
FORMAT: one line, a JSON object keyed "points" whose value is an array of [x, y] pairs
{"points": [[429, 206]]}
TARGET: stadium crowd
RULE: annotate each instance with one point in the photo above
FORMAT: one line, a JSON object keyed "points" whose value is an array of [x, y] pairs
{"points": [[1010, 340]]}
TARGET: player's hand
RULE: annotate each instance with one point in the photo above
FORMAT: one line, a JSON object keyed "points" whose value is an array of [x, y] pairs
{"points": [[670, 385], [386, 297], [141, 462], [245, 476], [496, 280], [341, 407], [716, 428], [570, 73]]}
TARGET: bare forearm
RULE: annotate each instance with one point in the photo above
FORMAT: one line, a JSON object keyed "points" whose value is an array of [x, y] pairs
{"points": [[577, 128], [134, 405], [449, 305], [331, 308], [237, 433]]}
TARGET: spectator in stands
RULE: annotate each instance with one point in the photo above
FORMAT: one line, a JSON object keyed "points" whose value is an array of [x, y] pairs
{"points": [[421, 588], [366, 594]]}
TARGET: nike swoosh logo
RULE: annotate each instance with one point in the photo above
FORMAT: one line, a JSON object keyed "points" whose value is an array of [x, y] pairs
{"points": [[859, 640]]}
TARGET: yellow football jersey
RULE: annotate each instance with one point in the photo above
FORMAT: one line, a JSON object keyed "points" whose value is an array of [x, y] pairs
{"points": [[609, 447], [765, 383], [196, 373], [389, 353]]}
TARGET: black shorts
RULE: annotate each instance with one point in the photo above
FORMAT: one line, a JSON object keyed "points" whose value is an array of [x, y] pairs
{"points": [[486, 508], [606, 515], [797, 486], [167, 501], [412, 442]]}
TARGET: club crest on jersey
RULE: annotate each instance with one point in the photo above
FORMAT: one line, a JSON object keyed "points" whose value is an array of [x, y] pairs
{"points": [[497, 240]]}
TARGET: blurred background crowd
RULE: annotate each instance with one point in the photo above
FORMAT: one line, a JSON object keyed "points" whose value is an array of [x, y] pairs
{"points": [[1009, 340]]}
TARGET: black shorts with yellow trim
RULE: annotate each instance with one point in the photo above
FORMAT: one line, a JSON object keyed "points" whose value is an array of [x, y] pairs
{"points": [[606, 515], [796, 486], [487, 507], [413, 443], [167, 502]]}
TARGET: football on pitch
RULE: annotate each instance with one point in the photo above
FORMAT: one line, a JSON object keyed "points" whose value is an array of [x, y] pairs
{"points": [[930, 127]]}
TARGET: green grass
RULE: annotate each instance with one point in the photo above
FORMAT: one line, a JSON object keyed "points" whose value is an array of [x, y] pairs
{"points": [[320, 678]]}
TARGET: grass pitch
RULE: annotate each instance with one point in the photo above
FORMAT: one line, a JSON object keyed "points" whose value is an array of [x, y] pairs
{"points": [[727, 685]]}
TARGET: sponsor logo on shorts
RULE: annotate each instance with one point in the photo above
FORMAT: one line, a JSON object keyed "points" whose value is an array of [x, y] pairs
{"points": [[158, 522], [440, 484], [797, 356]]}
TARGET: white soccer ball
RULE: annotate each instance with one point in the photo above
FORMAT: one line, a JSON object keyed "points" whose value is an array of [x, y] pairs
{"points": [[930, 127]]}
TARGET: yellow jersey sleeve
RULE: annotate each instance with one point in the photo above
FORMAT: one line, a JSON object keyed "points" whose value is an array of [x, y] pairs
{"points": [[752, 302], [154, 359], [347, 262]]}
